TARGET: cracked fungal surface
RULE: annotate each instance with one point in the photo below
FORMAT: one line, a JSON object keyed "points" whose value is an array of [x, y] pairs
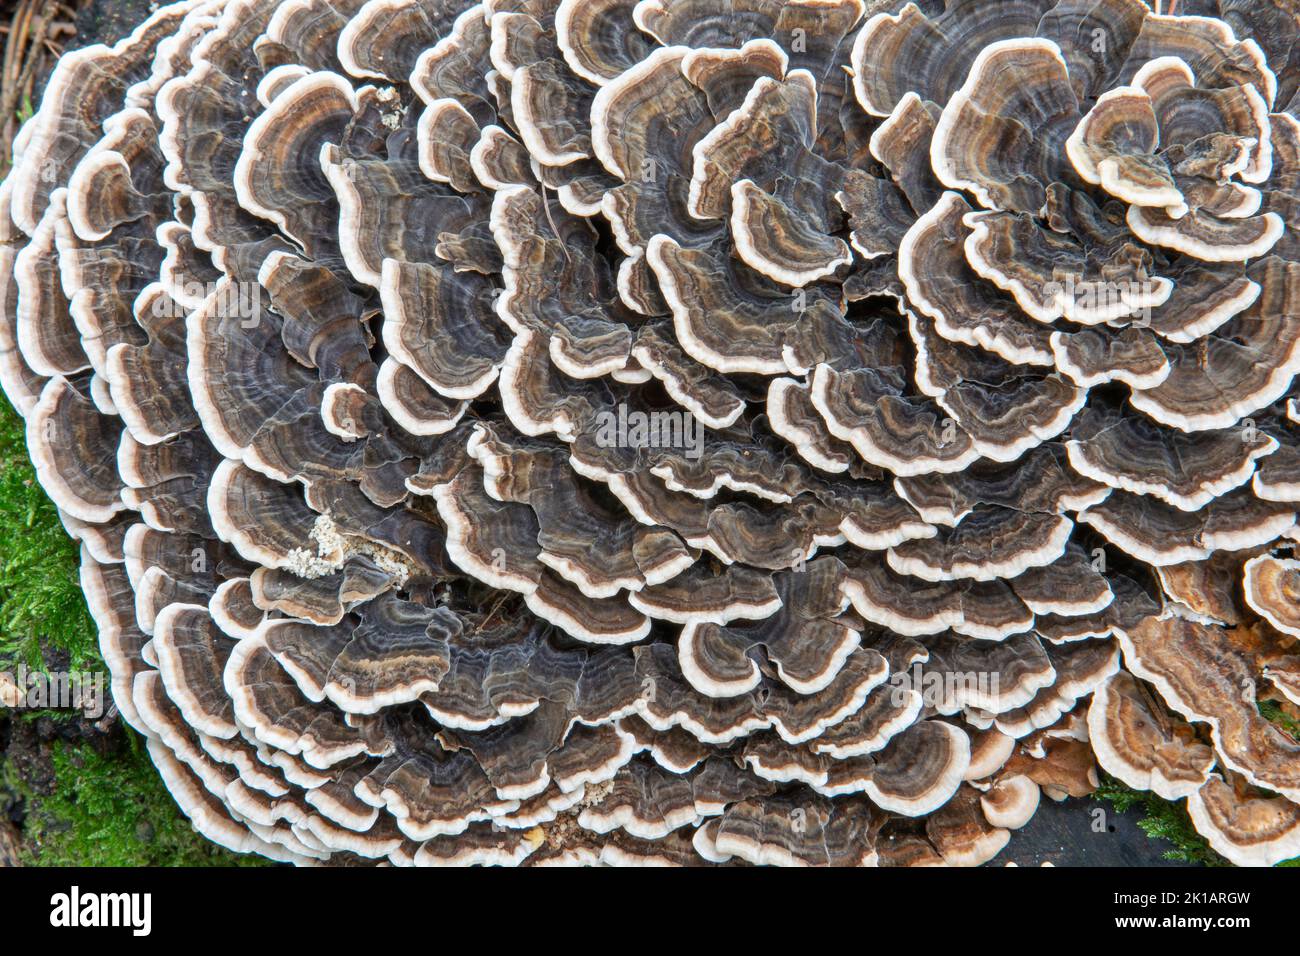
{"points": [[676, 431]]}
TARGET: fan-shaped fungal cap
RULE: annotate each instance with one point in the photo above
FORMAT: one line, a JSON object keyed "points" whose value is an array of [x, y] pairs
{"points": [[1271, 589], [1139, 742]]}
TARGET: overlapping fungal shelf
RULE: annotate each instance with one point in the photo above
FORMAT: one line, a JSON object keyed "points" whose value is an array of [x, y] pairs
{"points": [[316, 309]]}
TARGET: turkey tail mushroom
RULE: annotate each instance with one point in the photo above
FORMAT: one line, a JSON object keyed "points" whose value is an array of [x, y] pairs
{"points": [[545, 432]]}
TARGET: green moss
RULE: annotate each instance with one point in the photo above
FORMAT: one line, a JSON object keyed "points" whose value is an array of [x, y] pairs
{"points": [[1167, 820], [1273, 711], [105, 810], [1163, 820], [41, 606], [113, 811]]}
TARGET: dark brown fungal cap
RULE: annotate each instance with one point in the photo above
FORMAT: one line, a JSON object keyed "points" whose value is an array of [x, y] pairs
{"points": [[1185, 470], [1162, 534], [962, 834]]}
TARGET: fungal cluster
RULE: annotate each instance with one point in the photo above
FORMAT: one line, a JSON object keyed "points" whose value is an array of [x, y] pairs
{"points": [[676, 431]]}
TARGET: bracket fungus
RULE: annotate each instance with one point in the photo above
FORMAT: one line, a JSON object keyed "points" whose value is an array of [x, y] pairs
{"points": [[676, 431]]}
